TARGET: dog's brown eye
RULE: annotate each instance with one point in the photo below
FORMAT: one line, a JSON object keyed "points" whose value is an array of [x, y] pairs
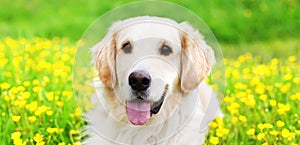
{"points": [[127, 47], [165, 50]]}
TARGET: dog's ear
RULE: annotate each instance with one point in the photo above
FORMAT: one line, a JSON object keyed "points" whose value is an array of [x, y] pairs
{"points": [[196, 60], [104, 59]]}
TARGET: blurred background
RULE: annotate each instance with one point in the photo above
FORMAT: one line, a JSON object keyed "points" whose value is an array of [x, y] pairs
{"points": [[263, 27]]}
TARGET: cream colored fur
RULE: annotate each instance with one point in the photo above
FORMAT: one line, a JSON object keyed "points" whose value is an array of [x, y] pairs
{"points": [[190, 103]]}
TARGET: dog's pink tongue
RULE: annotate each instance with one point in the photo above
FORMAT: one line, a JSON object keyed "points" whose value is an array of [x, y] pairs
{"points": [[138, 112]]}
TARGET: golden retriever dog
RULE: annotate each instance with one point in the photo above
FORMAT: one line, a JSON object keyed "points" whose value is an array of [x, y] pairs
{"points": [[150, 87]]}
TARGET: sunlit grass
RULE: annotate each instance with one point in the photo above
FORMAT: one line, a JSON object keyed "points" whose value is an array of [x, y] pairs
{"points": [[261, 104]]}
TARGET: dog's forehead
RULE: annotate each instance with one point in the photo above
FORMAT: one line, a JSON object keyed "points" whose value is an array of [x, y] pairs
{"points": [[145, 30]]}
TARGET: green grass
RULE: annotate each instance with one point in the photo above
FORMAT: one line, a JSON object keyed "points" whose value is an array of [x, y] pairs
{"points": [[39, 70], [232, 21], [38, 104]]}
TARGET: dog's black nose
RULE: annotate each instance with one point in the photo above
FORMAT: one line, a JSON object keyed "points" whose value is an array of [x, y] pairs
{"points": [[139, 80]]}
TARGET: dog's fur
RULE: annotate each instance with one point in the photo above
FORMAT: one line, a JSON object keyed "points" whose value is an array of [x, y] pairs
{"points": [[189, 104]]}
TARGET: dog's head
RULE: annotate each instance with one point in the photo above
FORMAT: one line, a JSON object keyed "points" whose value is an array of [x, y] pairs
{"points": [[145, 60]]}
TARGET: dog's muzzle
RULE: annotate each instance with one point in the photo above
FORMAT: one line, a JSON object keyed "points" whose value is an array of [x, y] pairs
{"points": [[139, 110]]}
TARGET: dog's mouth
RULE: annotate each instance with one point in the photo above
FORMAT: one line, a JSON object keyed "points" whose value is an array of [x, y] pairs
{"points": [[139, 110]]}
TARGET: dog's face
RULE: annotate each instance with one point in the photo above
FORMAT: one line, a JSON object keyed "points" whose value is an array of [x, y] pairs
{"points": [[145, 63]]}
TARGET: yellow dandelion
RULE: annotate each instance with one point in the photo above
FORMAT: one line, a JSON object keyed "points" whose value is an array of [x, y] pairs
{"points": [[38, 138], [287, 77], [77, 112], [52, 130], [31, 119], [77, 143], [274, 132], [292, 58], [251, 131], [73, 132], [263, 97], [285, 133], [296, 80], [220, 132], [213, 124], [260, 89], [40, 143], [26, 83], [291, 136], [49, 113], [214, 140], [268, 125], [32, 106], [50, 96], [16, 135], [280, 123], [260, 126], [15, 118], [242, 118], [273, 102], [36, 89], [60, 103], [261, 136], [234, 119], [5, 86]]}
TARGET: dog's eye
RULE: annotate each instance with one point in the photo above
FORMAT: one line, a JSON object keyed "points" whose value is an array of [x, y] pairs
{"points": [[165, 50], [127, 47]]}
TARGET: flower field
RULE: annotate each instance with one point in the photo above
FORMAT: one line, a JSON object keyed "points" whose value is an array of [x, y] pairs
{"points": [[261, 104]]}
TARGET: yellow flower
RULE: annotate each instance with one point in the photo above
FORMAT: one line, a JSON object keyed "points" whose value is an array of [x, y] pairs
{"points": [[5, 86], [213, 124], [15, 118], [52, 130], [297, 132], [265, 143], [60, 103], [214, 140], [36, 89], [40, 143], [267, 125], [32, 106], [38, 138], [274, 132], [77, 112], [242, 118], [260, 89], [73, 131], [32, 119], [287, 77], [251, 131], [296, 80], [26, 83], [261, 136], [234, 119], [280, 123], [16, 135], [220, 132], [49, 113], [263, 97], [273, 102], [292, 58], [285, 133]]}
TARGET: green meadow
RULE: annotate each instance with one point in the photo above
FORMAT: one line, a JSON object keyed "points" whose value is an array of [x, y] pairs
{"points": [[259, 40]]}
